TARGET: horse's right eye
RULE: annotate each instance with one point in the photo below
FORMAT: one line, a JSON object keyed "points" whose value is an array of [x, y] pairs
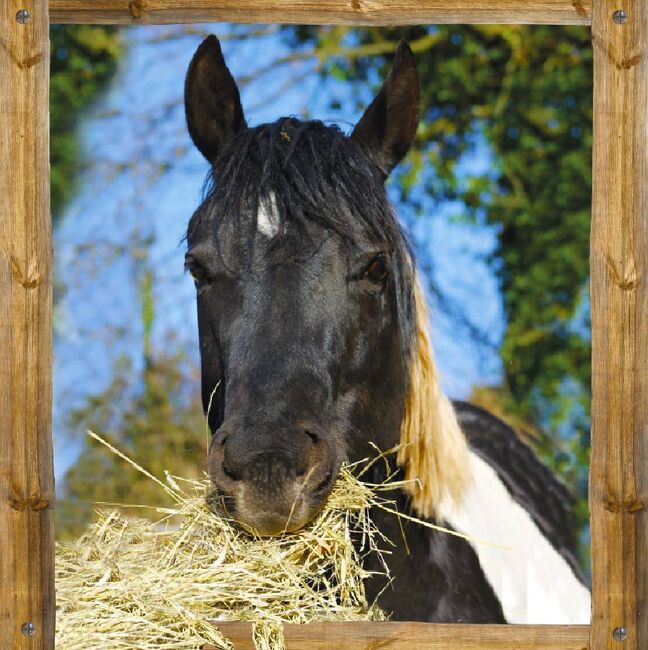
{"points": [[196, 271]]}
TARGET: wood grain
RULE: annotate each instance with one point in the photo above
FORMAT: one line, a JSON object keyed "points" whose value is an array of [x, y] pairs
{"points": [[26, 475], [619, 296], [353, 12], [417, 636]]}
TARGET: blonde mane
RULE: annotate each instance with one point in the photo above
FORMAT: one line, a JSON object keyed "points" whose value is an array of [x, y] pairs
{"points": [[434, 451]]}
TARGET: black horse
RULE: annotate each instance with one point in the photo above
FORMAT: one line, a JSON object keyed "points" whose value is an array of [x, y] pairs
{"points": [[314, 347]]}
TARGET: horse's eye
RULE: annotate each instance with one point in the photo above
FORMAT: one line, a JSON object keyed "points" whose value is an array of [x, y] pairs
{"points": [[196, 271], [378, 271]]}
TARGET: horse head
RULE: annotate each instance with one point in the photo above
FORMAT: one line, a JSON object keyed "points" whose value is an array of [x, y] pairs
{"points": [[312, 327]]}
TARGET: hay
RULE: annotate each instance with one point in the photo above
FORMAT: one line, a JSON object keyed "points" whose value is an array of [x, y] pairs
{"points": [[131, 583]]}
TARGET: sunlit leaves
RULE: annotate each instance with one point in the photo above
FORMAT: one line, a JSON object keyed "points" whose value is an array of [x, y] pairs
{"points": [[83, 59]]}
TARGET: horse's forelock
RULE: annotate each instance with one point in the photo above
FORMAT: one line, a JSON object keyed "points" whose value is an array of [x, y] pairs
{"points": [[316, 173]]}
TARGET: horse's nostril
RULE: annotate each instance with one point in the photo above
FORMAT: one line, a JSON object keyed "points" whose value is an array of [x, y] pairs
{"points": [[230, 474], [313, 436], [325, 483], [219, 438]]}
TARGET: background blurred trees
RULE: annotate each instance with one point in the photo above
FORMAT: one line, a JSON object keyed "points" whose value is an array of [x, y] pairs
{"points": [[84, 59], [153, 414]]}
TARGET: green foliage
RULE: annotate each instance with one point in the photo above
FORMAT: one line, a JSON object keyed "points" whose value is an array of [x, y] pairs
{"points": [[84, 59], [528, 92]]}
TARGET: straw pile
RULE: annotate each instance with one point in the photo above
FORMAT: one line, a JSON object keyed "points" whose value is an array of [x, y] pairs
{"points": [[130, 583]]}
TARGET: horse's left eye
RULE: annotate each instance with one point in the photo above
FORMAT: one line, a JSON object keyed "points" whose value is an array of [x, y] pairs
{"points": [[378, 270]]}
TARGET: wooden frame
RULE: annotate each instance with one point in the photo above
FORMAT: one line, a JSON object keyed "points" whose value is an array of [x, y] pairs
{"points": [[619, 293]]}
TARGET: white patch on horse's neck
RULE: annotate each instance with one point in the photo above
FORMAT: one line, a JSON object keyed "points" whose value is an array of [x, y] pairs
{"points": [[533, 583], [268, 216]]}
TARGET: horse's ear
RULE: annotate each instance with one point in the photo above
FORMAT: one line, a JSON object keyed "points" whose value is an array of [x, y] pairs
{"points": [[388, 126], [212, 101]]}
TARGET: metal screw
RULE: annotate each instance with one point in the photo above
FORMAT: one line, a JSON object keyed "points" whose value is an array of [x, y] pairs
{"points": [[28, 629], [619, 634], [23, 16], [620, 17]]}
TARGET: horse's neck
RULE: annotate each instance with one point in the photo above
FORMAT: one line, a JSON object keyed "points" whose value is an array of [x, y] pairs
{"points": [[435, 577]]}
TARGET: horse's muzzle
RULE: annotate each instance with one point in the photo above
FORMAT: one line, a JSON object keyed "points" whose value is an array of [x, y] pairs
{"points": [[272, 488]]}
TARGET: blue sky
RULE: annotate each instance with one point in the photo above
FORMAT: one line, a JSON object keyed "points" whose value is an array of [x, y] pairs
{"points": [[143, 180]]}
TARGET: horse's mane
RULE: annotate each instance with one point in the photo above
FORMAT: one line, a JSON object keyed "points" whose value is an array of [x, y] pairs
{"points": [[433, 450], [315, 174]]}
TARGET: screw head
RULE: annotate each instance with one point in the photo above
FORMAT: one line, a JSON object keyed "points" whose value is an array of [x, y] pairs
{"points": [[619, 633], [23, 16], [620, 17], [28, 629]]}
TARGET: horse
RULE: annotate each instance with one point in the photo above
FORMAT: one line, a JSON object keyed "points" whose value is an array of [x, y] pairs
{"points": [[315, 350]]}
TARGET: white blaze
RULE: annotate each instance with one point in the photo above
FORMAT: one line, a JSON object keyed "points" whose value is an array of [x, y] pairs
{"points": [[532, 581], [268, 216]]}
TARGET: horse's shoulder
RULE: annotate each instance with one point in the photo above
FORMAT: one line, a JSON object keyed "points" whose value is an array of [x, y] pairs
{"points": [[529, 482]]}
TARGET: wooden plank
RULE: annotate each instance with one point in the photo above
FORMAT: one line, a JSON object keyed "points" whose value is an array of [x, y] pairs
{"points": [[619, 295], [352, 12], [422, 636], [26, 473]]}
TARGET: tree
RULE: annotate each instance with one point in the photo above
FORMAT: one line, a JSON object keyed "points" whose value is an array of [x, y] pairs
{"points": [[84, 59], [153, 414]]}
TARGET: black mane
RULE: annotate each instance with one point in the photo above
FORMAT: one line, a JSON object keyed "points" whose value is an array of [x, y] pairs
{"points": [[317, 175]]}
